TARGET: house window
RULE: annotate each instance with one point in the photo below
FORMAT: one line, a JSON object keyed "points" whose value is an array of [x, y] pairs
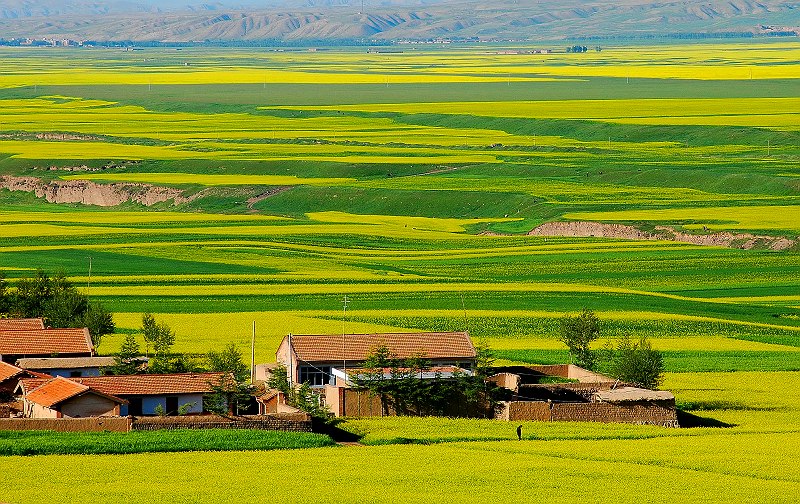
{"points": [[75, 374], [316, 376]]}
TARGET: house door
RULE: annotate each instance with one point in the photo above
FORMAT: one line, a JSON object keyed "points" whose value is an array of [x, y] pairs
{"points": [[135, 406], [172, 405]]}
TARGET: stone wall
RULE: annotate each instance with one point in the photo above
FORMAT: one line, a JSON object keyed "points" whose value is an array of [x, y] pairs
{"points": [[116, 424]]}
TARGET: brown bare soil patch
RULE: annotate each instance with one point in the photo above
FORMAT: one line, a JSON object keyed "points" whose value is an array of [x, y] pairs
{"points": [[744, 241]]}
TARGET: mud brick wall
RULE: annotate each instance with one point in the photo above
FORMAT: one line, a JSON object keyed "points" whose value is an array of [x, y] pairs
{"points": [[538, 411], [561, 370], [292, 422], [642, 413], [109, 424]]}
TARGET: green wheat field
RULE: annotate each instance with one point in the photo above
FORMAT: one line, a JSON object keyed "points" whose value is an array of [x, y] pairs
{"points": [[408, 182]]}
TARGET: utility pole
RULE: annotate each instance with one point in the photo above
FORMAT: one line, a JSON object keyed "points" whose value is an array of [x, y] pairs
{"points": [[345, 302], [253, 355]]}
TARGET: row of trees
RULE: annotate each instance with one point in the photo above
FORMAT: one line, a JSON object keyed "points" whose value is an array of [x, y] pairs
{"points": [[631, 362], [56, 300], [230, 395]]}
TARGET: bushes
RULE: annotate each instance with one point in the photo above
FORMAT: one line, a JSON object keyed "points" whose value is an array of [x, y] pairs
{"points": [[636, 363], [58, 302]]}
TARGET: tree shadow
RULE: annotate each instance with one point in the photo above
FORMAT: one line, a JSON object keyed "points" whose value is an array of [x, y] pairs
{"points": [[332, 429]]}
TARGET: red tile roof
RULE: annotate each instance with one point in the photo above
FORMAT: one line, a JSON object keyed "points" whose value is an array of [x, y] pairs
{"points": [[27, 385], [58, 390], [154, 384], [356, 347], [55, 391], [21, 324], [46, 342], [8, 371]]}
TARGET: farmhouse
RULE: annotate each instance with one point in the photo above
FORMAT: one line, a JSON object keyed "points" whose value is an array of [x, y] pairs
{"points": [[64, 398], [569, 393], [145, 393], [11, 375], [18, 344], [68, 367], [319, 359], [141, 395]]}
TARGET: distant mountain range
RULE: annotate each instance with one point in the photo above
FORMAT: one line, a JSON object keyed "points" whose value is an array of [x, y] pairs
{"points": [[231, 20]]}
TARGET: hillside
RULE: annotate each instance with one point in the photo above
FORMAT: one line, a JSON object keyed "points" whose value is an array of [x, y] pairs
{"points": [[232, 20]]}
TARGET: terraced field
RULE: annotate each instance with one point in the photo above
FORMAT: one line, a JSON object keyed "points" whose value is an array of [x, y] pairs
{"points": [[258, 185]]}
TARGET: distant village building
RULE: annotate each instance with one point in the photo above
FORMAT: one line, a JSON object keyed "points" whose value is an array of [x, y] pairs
{"points": [[64, 398], [141, 395], [10, 376], [67, 367], [325, 359]]}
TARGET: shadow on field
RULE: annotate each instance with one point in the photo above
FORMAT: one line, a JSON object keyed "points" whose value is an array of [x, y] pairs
{"points": [[331, 428], [689, 420]]}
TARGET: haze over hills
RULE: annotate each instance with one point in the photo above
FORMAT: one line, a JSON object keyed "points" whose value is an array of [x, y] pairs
{"points": [[184, 20]]}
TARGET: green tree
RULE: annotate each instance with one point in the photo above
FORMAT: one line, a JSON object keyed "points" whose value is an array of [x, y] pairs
{"points": [[637, 363], [5, 299], [578, 333], [58, 302], [235, 391], [229, 360], [302, 397], [99, 322], [407, 393], [128, 361], [161, 337], [484, 359], [279, 380]]}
